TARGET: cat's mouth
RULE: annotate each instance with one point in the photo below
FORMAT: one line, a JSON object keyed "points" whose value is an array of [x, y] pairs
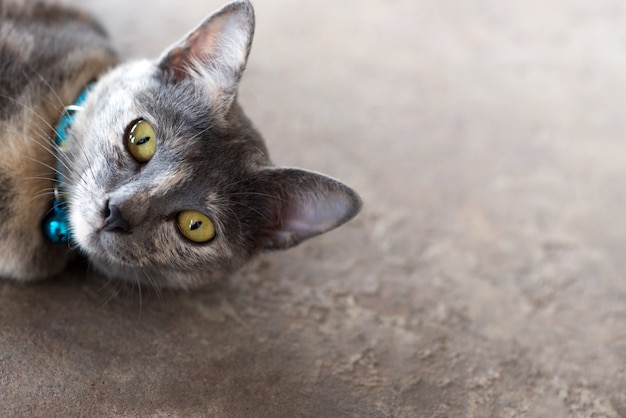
{"points": [[113, 248], [94, 234]]}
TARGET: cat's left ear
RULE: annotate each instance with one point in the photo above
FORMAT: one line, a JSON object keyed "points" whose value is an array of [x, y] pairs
{"points": [[298, 204], [216, 52]]}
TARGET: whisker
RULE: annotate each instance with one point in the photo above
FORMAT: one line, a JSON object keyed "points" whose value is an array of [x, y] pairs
{"points": [[200, 133], [115, 294], [140, 299], [48, 212], [25, 106], [55, 170], [104, 286], [271, 196], [54, 151], [42, 177], [237, 218], [44, 140], [45, 192], [155, 286], [262, 215], [42, 78]]}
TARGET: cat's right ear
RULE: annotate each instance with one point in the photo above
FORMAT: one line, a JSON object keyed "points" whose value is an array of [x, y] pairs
{"points": [[215, 53]]}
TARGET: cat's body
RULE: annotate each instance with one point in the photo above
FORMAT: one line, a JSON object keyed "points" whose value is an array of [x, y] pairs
{"points": [[47, 55], [189, 203]]}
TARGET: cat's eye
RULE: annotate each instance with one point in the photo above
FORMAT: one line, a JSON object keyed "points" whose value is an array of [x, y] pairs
{"points": [[141, 141], [195, 226]]}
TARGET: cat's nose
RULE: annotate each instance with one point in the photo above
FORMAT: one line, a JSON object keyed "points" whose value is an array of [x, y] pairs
{"points": [[114, 219]]}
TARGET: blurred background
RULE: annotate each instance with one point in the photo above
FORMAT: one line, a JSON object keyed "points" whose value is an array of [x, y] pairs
{"points": [[483, 278]]}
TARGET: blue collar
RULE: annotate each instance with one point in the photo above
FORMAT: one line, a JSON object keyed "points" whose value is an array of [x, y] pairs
{"points": [[55, 224]]}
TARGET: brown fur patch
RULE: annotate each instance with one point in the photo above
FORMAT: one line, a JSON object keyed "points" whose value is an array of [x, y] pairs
{"points": [[48, 53], [26, 166]]}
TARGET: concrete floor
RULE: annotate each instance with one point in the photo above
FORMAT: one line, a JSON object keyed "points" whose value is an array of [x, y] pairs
{"points": [[484, 277]]}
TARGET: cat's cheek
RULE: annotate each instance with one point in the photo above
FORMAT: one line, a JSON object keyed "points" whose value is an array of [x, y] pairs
{"points": [[82, 229]]}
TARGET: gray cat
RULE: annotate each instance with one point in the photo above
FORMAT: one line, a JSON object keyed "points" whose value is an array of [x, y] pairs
{"points": [[157, 176]]}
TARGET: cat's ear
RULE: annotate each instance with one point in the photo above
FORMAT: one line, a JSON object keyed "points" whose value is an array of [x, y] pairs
{"points": [[301, 204], [215, 53]]}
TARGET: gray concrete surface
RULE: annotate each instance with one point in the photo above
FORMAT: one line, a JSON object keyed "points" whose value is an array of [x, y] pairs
{"points": [[484, 278]]}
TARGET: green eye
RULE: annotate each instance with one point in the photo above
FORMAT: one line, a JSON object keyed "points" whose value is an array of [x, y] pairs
{"points": [[141, 141], [195, 226]]}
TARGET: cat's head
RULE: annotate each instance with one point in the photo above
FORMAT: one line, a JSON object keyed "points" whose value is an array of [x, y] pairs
{"points": [[168, 182]]}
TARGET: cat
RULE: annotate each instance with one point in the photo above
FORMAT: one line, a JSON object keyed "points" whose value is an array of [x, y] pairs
{"points": [[164, 180]]}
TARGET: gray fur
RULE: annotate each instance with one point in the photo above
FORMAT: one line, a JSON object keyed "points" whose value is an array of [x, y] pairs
{"points": [[209, 158]]}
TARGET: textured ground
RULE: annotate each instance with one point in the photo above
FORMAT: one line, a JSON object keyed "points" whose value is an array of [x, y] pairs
{"points": [[484, 278]]}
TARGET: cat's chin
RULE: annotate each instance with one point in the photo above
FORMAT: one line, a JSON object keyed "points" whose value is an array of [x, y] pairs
{"points": [[102, 249], [157, 278]]}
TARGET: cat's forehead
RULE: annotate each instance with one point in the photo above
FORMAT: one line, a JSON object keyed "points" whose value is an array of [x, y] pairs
{"points": [[191, 143], [179, 111], [119, 85]]}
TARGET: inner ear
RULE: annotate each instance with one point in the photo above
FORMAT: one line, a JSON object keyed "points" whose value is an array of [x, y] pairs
{"points": [[302, 204], [216, 51]]}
